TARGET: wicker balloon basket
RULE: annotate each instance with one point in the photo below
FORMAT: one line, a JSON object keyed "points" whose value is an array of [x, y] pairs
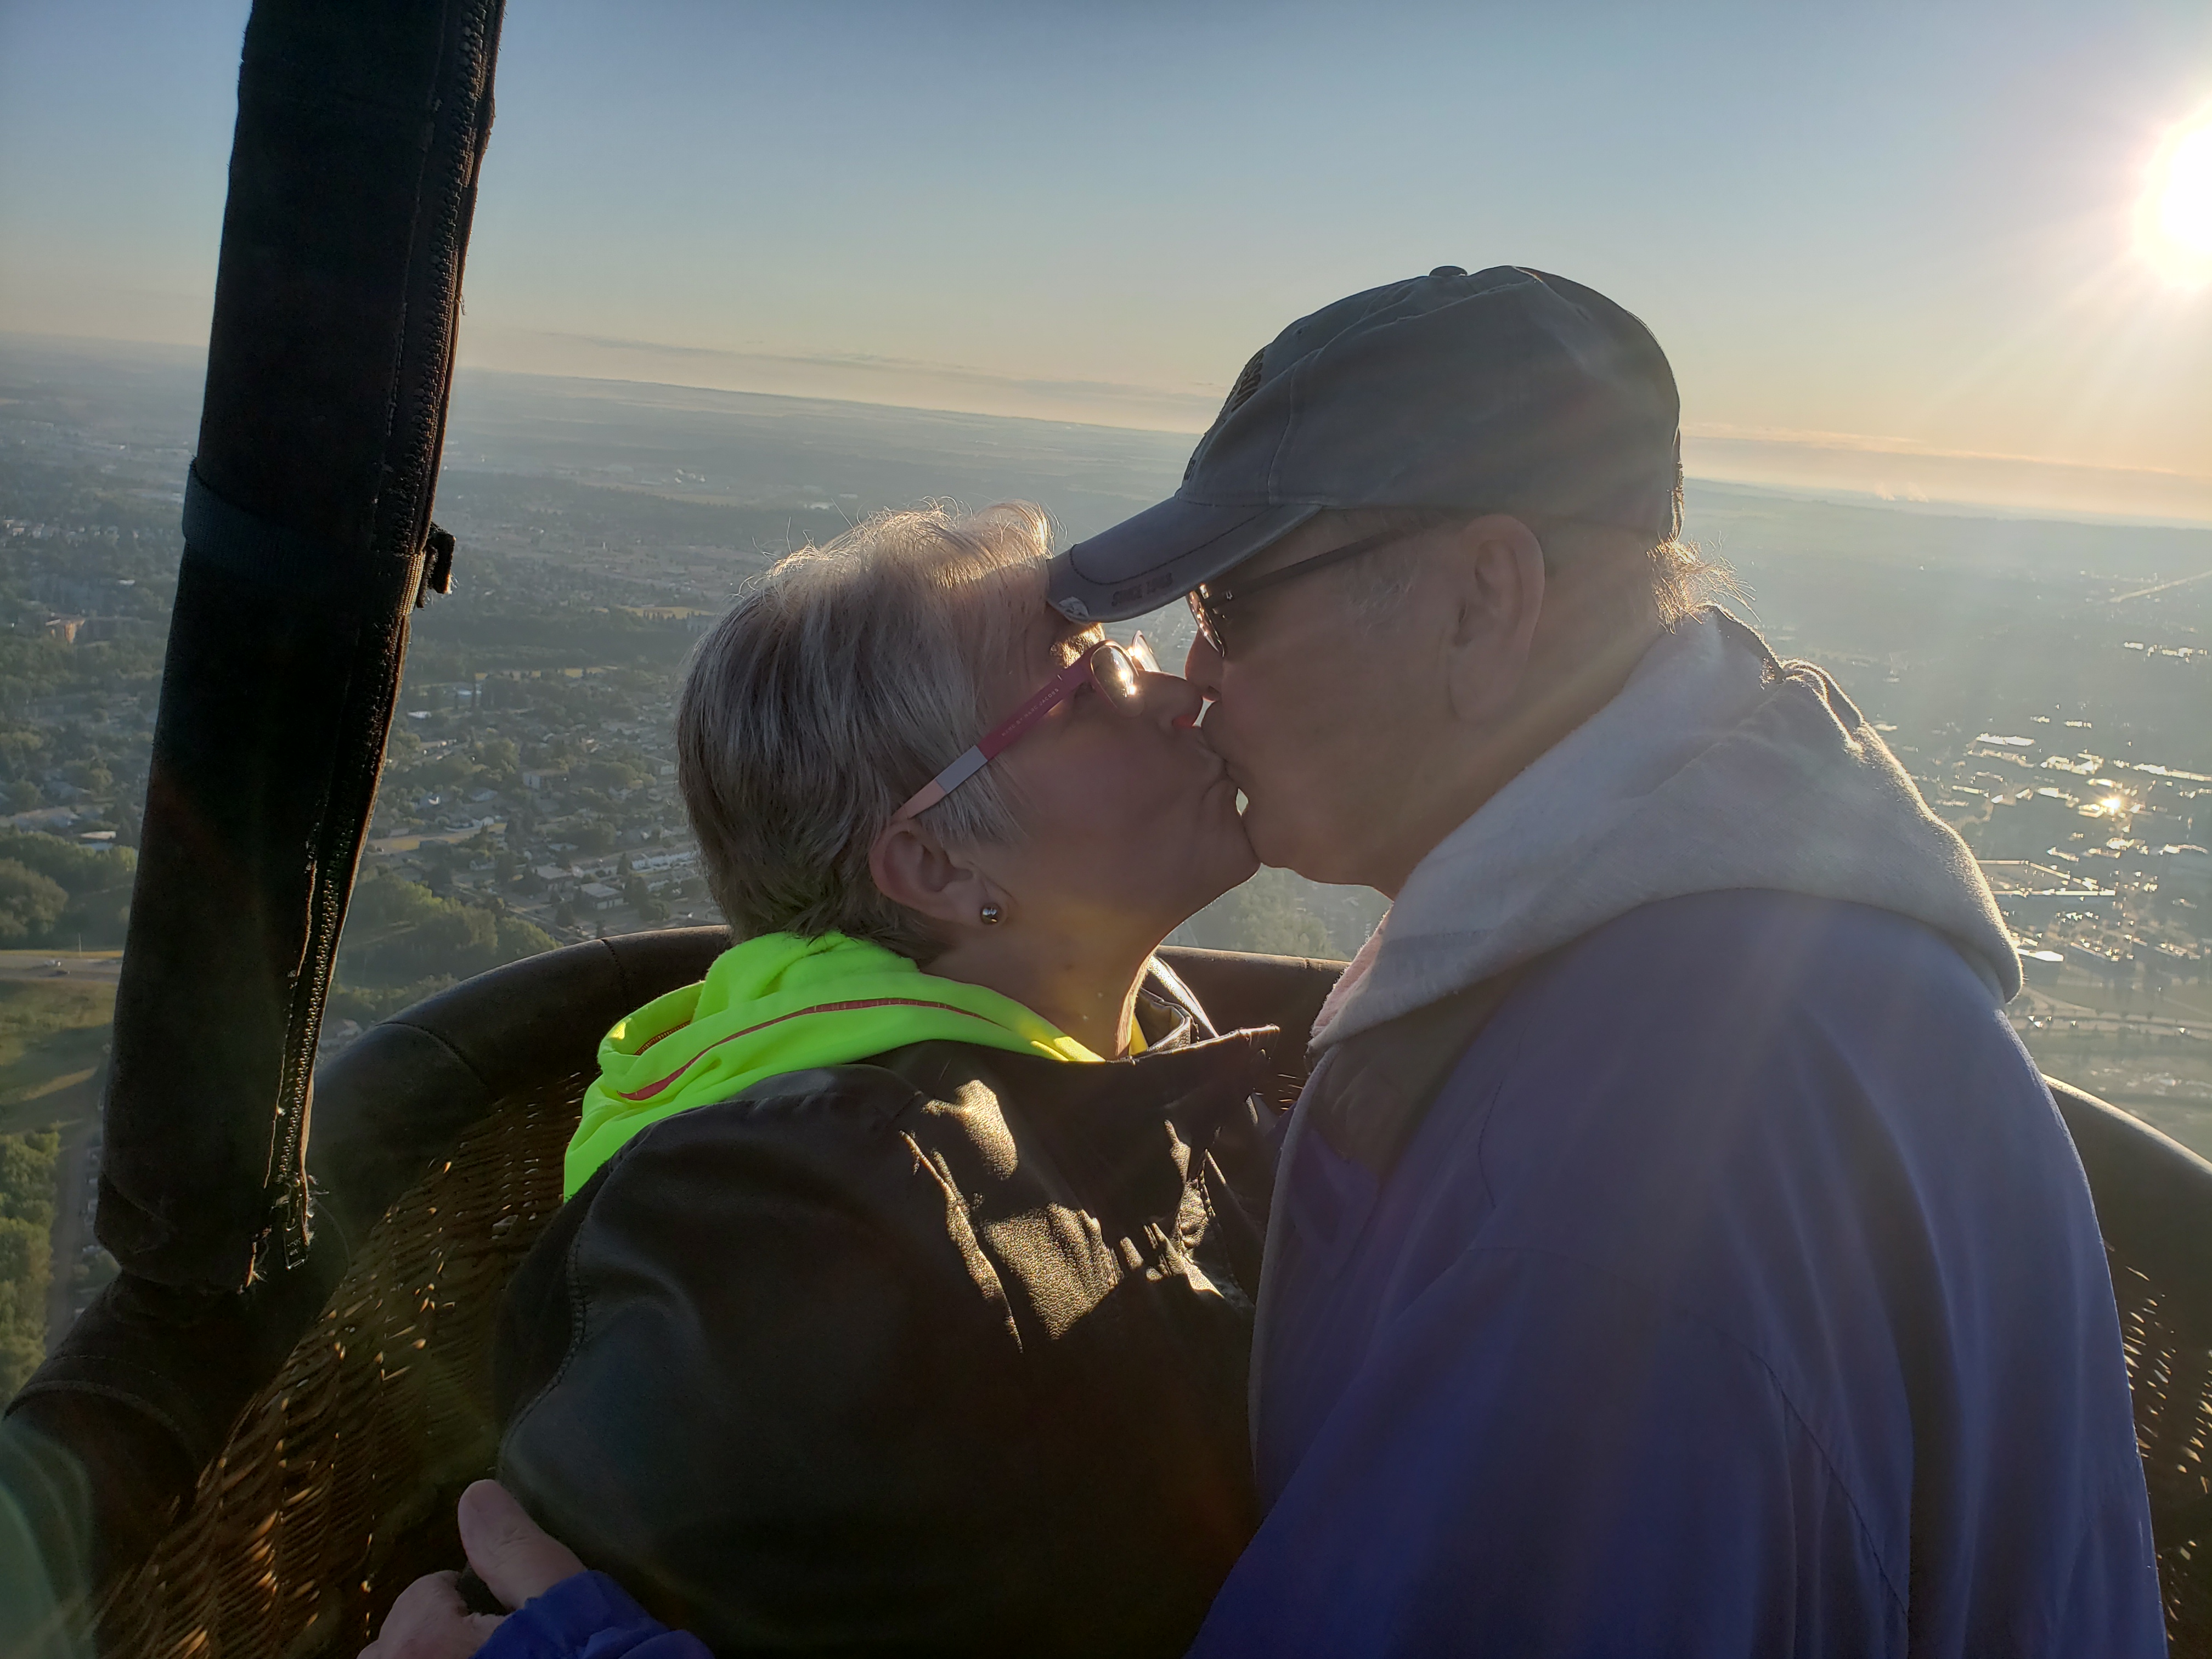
{"points": [[2171, 1372], [338, 1486]]}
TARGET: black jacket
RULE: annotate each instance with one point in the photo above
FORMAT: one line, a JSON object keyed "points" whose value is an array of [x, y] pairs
{"points": [[940, 1353]]}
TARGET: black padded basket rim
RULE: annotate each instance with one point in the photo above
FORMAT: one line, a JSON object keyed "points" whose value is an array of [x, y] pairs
{"points": [[541, 1016], [410, 1085]]}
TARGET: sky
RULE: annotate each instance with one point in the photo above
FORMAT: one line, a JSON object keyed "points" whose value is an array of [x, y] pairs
{"points": [[1891, 249]]}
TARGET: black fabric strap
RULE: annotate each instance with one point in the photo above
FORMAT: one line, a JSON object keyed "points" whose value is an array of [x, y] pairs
{"points": [[251, 547]]}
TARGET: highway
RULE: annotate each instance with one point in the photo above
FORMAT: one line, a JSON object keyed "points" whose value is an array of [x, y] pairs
{"points": [[89, 968]]}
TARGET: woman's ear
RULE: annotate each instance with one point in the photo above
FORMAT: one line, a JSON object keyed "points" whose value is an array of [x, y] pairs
{"points": [[913, 869], [1498, 590]]}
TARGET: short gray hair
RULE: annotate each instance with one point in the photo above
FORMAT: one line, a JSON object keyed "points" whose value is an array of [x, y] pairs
{"points": [[1680, 577], [841, 681]]}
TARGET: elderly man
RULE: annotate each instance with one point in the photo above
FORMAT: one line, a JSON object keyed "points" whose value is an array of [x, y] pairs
{"points": [[1674, 1250]]}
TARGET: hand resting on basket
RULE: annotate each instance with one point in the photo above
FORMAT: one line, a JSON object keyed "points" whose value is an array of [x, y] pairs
{"points": [[559, 1608], [513, 1556]]}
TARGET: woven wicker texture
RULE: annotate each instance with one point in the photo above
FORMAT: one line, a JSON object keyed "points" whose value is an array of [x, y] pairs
{"points": [[337, 1485], [2172, 1381]]}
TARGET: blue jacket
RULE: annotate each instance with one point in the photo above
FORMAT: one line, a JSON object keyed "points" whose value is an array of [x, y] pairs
{"points": [[1739, 1294], [588, 1617]]}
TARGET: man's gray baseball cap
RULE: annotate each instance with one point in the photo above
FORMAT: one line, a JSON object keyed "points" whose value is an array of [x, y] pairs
{"points": [[1508, 390]]}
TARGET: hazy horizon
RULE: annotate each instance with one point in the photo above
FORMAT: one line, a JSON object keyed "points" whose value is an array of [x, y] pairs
{"points": [[1839, 491]]}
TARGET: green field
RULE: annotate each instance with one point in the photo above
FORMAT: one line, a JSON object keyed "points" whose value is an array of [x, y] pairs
{"points": [[52, 1035], [53, 1038]]}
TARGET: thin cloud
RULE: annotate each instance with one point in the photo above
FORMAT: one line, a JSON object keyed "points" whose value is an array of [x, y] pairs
{"points": [[1872, 444], [1199, 405]]}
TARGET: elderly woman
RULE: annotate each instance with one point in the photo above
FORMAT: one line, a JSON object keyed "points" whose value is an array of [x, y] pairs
{"points": [[902, 1300]]}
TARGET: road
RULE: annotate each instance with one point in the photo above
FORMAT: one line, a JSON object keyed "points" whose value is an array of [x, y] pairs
{"points": [[78, 1108], [74, 1192], [87, 967], [2162, 587]]}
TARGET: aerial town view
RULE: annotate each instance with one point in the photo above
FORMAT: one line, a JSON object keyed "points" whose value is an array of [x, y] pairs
{"points": [[2046, 684]]}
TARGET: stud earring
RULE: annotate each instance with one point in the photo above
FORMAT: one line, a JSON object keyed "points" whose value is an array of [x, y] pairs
{"points": [[990, 915]]}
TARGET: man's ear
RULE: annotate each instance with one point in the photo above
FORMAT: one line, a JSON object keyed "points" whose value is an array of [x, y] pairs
{"points": [[1496, 577], [913, 869]]}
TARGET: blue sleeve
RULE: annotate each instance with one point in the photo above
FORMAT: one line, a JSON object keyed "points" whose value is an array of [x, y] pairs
{"points": [[588, 1616], [1589, 1477]]}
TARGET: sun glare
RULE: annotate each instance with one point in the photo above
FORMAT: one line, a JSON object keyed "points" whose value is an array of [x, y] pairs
{"points": [[2175, 222]]}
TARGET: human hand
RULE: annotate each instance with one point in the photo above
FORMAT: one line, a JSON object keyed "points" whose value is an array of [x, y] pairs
{"points": [[515, 1558], [430, 1621]]}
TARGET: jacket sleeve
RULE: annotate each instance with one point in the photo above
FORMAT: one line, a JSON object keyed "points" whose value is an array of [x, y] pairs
{"points": [[588, 1617], [1587, 1479]]}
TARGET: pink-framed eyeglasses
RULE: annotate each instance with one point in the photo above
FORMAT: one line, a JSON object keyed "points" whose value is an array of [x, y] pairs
{"points": [[1117, 671]]}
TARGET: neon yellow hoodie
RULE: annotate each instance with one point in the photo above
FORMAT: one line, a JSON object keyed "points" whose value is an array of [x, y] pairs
{"points": [[781, 1003]]}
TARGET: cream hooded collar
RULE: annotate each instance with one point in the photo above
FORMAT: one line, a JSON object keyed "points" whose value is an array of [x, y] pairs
{"points": [[1716, 767]]}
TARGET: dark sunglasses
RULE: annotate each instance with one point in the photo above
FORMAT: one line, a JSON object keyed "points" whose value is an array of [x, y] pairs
{"points": [[1209, 601]]}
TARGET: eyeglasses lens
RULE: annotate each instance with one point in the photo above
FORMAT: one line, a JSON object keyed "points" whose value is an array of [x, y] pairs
{"points": [[1208, 620], [1115, 671]]}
